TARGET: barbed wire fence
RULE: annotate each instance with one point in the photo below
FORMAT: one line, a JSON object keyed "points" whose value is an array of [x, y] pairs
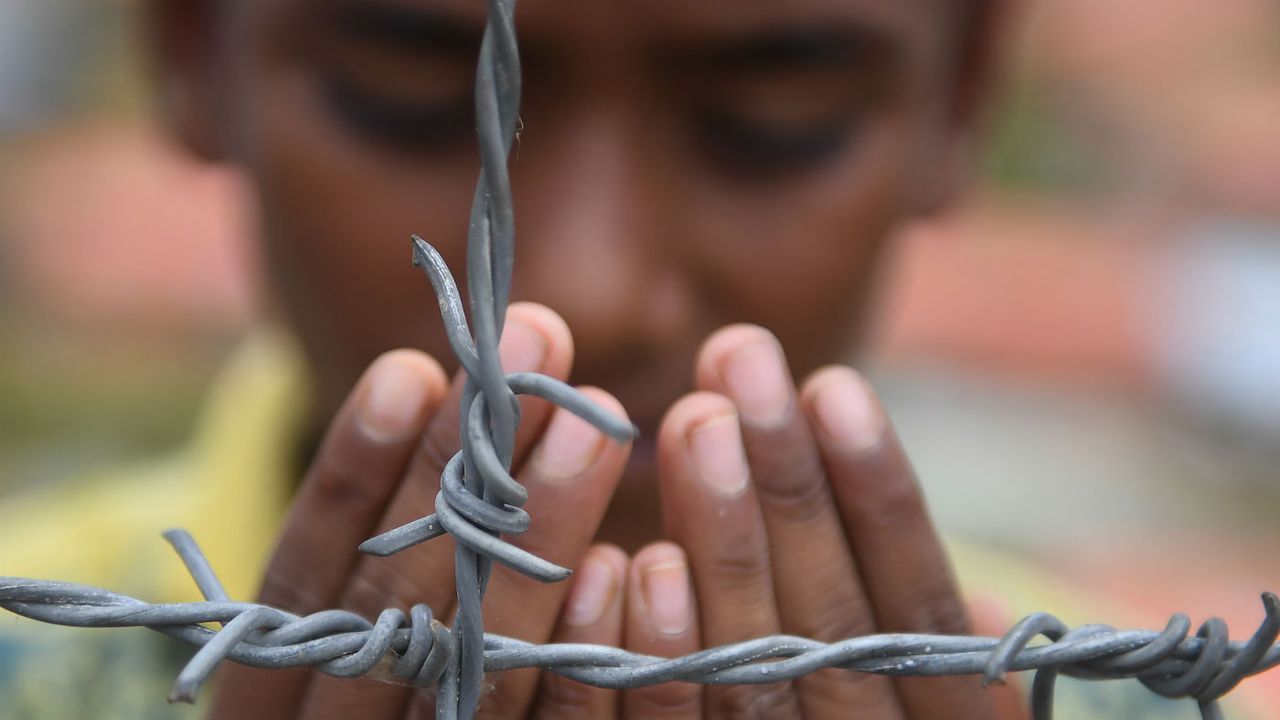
{"points": [[479, 502]]}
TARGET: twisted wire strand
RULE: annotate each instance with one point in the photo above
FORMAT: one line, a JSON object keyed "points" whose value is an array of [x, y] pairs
{"points": [[486, 452], [417, 650], [479, 502]]}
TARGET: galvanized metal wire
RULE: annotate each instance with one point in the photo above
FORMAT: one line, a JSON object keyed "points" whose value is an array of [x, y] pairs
{"points": [[415, 649], [479, 502]]}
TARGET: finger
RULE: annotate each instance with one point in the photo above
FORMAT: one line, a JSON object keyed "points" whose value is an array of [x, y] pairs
{"points": [[661, 621], [592, 614], [903, 564], [571, 476], [710, 508], [535, 339], [816, 582], [355, 472]]}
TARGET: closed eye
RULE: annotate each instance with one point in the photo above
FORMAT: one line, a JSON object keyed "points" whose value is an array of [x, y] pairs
{"points": [[787, 100], [415, 124]]}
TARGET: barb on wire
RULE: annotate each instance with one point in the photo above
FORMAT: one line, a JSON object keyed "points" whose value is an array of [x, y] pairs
{"points": [[479, 502], [417, 649]]}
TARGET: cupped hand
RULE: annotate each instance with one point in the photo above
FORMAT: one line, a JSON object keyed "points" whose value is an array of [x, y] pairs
{"points": [[379, 467], [791, 511], [787, 511]]}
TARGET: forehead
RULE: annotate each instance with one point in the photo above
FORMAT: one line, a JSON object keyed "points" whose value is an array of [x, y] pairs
{"points": [[554, 21]]}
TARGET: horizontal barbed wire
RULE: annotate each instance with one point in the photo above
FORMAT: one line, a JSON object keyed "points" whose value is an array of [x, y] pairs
{"points": [[415, 649], [479, 501]]}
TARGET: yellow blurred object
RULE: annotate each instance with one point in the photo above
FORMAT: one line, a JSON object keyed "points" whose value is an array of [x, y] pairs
{"points": [[227, 486]]}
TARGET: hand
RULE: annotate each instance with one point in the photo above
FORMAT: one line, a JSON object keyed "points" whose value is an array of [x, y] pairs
{"points": [[378, 467], [792, 512], [764, 546]]}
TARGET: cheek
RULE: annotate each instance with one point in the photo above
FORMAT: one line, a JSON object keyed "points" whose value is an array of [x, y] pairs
{"points": [[337, 213], [796, 255]]}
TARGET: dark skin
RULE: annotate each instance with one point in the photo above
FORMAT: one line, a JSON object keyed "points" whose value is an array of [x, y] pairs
{"points": [[688, 175]]}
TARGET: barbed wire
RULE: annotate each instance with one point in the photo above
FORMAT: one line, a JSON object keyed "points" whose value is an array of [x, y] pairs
{"points": [[415, 649], [479, 502]]}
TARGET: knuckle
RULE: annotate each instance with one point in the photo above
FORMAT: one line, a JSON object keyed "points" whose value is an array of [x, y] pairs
{"points": [[510, 697], [752, 702], [665, 700], [930, 608], [280, 588], [957, 690], [838, 621], [517, 588], [736, 570], [831, 692], [437, 450], [963, 695], [562, 697], [339, 485], [376, 587], [943, 614], [799, 497], [897, 503]]}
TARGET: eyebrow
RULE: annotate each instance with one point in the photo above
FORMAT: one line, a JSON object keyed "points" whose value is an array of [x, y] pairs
{"points": [[403, 28]]}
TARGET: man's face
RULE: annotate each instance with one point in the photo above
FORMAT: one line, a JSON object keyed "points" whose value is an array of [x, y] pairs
{"points": [[680, 166]]}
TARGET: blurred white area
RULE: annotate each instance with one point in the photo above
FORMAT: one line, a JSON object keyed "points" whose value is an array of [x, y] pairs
{"points": [[44, 46], [1042, 469], [1223, 359]]}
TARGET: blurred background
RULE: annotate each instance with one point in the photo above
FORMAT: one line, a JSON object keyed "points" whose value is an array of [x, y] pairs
{"points": [[1083, 357]]}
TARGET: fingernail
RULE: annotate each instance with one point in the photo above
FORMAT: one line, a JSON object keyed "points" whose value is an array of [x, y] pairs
{"points": [[594, 586], [666, 596], [521, 349], [718, 455], [757, 379], [394, 395], [569, 447], [848, 414]]}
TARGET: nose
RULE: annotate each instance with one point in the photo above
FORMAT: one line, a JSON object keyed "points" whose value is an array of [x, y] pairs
{"points": [[594, 237]]}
